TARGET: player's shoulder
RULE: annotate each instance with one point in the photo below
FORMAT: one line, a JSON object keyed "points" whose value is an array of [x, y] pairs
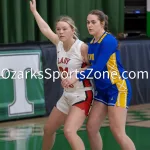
{"points": [[79, 44], [110, 39], [78, 41], [60, 43]]}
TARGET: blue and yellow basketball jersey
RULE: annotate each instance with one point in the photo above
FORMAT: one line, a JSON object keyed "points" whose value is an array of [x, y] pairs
{"points": [[106, 68]]}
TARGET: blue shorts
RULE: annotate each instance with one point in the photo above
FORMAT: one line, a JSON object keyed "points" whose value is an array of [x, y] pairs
{"points": [[116, 95]]}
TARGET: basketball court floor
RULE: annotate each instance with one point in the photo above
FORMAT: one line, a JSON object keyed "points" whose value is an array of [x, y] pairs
{"points": [[27, 134]]}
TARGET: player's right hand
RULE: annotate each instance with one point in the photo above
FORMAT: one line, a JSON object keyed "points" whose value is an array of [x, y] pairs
{"points": [[33, 5]]}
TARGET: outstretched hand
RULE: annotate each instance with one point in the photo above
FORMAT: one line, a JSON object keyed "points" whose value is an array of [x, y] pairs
{"points": [[33, 5]]}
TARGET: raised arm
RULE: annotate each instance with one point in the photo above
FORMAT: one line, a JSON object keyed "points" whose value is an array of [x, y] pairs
{"points": [[43, 26]]}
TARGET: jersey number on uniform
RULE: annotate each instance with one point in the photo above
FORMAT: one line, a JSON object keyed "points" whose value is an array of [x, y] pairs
{"points": [[65, 73]]}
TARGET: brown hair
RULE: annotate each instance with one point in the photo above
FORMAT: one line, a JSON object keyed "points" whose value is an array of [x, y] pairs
{"points": [[70, 21], [102, 17]]}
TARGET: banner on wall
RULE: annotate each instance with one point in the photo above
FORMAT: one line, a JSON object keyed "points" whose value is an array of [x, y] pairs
{"points": [[21, 82]]}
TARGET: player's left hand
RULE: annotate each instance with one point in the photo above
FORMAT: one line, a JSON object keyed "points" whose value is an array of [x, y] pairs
{"points": [[69, 81]]}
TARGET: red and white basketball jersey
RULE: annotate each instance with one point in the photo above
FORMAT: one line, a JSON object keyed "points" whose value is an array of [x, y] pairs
{"points": [[70, 61]]}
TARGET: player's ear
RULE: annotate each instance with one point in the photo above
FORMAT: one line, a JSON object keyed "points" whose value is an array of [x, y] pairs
{"points": [[103, 24], [73, 30]]}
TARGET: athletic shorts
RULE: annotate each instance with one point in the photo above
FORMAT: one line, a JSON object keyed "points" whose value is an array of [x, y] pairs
{"points": [[80, 99], [116, 95]]}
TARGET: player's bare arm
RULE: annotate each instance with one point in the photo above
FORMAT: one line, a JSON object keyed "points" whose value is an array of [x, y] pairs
{"points": [[43, 26], [84, 53]]}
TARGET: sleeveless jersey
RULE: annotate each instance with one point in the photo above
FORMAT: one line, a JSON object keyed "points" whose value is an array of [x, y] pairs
{"points": [[70, 61]]}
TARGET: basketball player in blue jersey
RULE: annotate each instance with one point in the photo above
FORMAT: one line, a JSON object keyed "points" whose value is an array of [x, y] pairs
{"points": [[112, 90]]}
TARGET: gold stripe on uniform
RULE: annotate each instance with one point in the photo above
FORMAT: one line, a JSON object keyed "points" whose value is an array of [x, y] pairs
{"points": [[115, 78], [122, 94], [100, 40]]}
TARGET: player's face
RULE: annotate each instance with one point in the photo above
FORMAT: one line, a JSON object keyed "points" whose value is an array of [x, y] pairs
{"points": [[64, 31], [94, 25]]}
